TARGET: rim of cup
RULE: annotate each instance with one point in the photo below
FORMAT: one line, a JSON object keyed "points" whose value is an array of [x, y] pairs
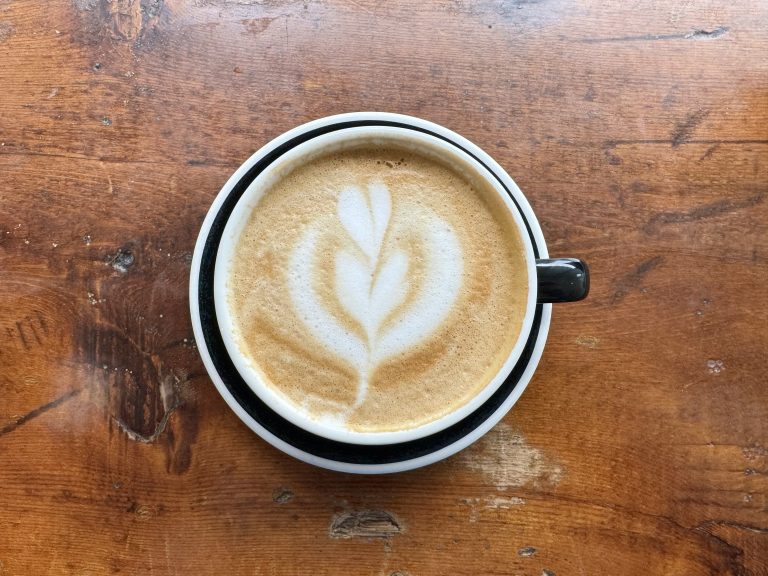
{"points": [[237, 220], [203, 323]]}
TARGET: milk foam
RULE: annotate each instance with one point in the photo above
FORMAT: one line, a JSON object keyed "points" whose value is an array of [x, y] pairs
{"points": [[376, 289], [371, 281]]}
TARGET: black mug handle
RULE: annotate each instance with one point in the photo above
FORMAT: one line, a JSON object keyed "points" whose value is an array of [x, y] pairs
{"points": [[562, 280]]}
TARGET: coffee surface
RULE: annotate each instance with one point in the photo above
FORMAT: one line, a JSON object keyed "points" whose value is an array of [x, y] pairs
{"points": [[377, 289]]}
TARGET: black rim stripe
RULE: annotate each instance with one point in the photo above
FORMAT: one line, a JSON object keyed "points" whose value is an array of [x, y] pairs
{"points": [[268, 418]]}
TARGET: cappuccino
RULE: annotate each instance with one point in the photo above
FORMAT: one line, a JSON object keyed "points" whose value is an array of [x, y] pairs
{"points": [[377, 288]]}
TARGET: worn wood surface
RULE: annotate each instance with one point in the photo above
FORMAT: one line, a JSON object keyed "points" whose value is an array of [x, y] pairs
{"points": [[639, 131]]}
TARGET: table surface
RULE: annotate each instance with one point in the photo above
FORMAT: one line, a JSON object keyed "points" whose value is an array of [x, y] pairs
{"points": [[639, 131]]}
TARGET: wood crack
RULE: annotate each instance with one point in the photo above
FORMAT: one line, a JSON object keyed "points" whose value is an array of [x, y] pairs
{"points": [[695, 34], [40, 410], [141, 438], [171, 402]]}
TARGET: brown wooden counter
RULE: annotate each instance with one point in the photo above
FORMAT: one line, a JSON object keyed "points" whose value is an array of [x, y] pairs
{"points": [[639, 131]]}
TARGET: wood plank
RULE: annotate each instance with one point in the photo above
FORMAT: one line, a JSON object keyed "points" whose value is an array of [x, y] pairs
{"points": [[639, 131]]}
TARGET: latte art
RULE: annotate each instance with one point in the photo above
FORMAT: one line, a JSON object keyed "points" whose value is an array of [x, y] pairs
{"points": [[377, 289], [371, 283]]}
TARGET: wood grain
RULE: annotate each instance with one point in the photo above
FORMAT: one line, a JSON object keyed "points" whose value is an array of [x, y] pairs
{"points": [[639, 131]]}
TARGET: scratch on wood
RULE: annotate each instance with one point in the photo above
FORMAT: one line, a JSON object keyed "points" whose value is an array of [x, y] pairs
{"points": [[527, 552], [631, 281], [365, 524], [684, 130], [477, 505], [709, 151], [700, 33], [499, 502], [710, 210], [506, 460], [634, 38], [21, 420], [695, 34]]}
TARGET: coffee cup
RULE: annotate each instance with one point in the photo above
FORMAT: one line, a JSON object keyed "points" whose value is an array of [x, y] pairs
{"points": [[371, 292]]}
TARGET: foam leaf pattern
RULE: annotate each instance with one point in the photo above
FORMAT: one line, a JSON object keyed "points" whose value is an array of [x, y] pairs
{"points": [[312, 313], [367, 296], [371, 282], [366, 223]]}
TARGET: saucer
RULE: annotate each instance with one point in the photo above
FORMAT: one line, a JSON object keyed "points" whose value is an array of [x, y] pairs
{"points": [[281, 433]]}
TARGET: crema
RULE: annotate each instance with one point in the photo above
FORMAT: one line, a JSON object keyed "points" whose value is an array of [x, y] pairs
{"points": [[377, 288]]}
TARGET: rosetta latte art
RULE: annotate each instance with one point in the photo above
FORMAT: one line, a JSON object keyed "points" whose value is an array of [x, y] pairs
{"points": [[372, 283], [377, 289]]}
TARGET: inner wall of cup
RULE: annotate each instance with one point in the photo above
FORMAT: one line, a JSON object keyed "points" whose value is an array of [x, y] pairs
{"points": [[328, 144]]}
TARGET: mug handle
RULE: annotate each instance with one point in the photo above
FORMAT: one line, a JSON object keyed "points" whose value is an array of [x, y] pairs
{"points": [[562, 280]]}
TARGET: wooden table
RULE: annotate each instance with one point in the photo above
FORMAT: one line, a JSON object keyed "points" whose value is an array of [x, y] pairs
{"points": [[639, 131]]}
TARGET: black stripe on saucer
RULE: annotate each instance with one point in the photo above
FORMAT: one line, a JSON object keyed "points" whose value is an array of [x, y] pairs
{"points": [[268, 418]]}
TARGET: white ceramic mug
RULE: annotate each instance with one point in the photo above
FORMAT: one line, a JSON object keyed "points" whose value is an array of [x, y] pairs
{"points": [[266, 411]]}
